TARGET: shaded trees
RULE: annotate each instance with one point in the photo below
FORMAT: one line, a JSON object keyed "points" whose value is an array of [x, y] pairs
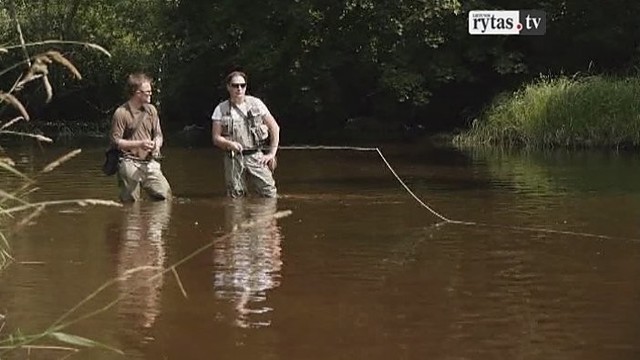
{"points": [[320, 63], [313, 60]]}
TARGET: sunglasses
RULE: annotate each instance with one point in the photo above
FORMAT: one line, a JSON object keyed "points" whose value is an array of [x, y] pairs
{"points": [[238, 85]]}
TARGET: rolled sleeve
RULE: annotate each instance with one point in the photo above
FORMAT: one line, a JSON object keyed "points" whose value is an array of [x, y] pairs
{"points": [[118, 124], [217, 114]]}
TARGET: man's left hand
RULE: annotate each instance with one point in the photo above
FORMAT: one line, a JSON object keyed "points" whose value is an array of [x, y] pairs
{"points": [[269, 160]]}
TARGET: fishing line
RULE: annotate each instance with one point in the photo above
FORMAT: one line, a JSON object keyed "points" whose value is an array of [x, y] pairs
{"points": [[444, 219]]}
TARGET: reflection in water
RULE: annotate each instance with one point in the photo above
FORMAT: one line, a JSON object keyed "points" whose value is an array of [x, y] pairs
{"points": [[248, 263], [141, 258], [386, 285]]}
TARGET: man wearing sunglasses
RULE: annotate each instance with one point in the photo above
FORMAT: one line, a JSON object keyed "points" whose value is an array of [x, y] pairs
{"points": [[136, 132], [241, 126]]}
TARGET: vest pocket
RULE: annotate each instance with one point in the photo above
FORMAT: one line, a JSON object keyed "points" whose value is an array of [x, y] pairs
{"points": [[225, 122], [259, 130]]}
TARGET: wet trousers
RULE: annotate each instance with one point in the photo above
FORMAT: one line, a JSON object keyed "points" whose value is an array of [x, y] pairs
{"points": [[136, 174]]}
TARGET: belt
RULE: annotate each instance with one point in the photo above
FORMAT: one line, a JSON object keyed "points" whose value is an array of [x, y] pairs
{"points": [[245, 152], [250, 151], [147, 159], [133, 158]]}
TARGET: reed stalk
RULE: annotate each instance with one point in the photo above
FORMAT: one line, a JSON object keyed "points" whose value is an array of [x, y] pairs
{"points": [[15, 211]]}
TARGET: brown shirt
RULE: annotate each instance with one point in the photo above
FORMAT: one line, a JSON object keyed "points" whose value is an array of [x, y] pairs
{"points": [[124, 122]]}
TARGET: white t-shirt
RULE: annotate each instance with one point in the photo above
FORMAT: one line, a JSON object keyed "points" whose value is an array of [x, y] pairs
{"points": [[244, 107]]}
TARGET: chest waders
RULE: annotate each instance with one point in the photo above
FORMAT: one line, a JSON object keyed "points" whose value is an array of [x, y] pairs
{"points": [[249, 131]]}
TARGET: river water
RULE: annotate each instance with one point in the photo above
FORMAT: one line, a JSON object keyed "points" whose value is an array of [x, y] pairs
{"points": [[358, 270]]}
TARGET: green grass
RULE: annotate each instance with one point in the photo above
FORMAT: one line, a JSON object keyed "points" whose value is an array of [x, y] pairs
{"points": [[596, 111]]}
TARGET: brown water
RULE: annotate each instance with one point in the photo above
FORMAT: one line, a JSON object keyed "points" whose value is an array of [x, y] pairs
{"points": [[358, 271]]}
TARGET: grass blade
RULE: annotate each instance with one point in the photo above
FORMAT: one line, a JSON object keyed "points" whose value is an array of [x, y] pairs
{"points": [[46, 42], [11, 169], [59, 161], [81, 341]]}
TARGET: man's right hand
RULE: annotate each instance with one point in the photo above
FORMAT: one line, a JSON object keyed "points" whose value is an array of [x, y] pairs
{"points": [[235, 147], [147, 145]]}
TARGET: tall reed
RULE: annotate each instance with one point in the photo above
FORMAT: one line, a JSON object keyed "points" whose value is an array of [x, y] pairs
{"points": [[594, 111], [15, 211]]}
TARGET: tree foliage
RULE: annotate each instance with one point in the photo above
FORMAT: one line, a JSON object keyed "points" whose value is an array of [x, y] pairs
{"points": [[321, 64]]}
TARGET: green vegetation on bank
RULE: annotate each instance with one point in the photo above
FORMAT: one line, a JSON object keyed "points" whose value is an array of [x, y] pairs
{"points": [[595, 111]]}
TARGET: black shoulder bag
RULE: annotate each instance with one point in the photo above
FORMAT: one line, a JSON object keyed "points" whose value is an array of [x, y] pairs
{"points": [[111, 160]]}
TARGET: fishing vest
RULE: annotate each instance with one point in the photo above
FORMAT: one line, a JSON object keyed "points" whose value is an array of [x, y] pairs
{"points": [[250, 130]]}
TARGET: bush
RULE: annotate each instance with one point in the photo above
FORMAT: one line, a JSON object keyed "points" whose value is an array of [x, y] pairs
{"points": [[595, 111]]}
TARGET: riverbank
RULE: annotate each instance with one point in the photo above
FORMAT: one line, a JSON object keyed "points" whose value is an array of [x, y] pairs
{"points": [[362, 132], [596, 111]]}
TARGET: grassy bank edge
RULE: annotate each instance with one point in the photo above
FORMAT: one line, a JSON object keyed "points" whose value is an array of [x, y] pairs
{"points": [[574, 112]]}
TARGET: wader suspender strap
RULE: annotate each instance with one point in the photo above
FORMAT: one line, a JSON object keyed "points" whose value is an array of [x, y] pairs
{"points": [[244, 116], [228, 113], [256, 143]]}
